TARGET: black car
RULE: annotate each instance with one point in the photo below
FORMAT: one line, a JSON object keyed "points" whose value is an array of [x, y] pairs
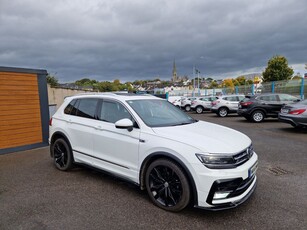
{"points": [[256, 108]]}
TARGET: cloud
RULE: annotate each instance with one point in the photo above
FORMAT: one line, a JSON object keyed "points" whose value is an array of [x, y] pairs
{"points": [[140, 39]]}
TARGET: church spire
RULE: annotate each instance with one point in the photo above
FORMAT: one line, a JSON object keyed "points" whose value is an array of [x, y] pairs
{"points": [[174, 78]]}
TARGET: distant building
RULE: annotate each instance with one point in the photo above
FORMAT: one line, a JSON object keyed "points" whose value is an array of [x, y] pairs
{"points": [[174, 77]]}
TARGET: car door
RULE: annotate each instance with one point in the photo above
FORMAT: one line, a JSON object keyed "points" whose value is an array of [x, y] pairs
{"points": [[270, 103], [80, 125], [232, 103], [116, 150]]}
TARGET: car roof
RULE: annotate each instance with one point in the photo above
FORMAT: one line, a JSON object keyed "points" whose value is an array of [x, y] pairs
{"points": [[118, 96]]}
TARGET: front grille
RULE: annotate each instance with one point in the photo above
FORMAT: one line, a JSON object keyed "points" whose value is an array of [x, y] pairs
{"points": [[243, 156]]}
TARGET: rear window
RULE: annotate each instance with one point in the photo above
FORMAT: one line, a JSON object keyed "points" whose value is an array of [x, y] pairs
{"points": [[82, 107]]}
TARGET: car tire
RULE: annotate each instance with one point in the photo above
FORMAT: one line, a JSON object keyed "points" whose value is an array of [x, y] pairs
{"points": [[62, 155], [257, 116], [187, 108], [199, 109], [167, 185], [222, 112]]}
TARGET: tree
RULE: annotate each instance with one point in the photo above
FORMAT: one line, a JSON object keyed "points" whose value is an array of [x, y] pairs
{"points": [[277, 70], [241, 80], [213, 84], [228, 83], [52, 80]]}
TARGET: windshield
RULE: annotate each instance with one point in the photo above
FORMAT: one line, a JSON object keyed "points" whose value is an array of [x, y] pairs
{"points": [[159, 113]]}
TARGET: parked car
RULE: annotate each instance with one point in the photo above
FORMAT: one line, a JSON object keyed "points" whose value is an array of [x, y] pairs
{"points": [[203, 103], [256, 108], [226, 104], [146, 140], [294, 114], [186, 103], [177, 103]]}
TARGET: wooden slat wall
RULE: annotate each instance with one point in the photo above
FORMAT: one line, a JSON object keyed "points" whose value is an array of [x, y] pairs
{"points": [[20, 119]]}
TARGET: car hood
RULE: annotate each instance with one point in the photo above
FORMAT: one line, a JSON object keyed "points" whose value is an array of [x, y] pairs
{"points": [[206, 137]]}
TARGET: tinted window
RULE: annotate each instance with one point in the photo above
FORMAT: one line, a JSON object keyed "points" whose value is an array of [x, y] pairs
{"points": [[113, 111], [268, 98], [70, 107], [87, 107]]}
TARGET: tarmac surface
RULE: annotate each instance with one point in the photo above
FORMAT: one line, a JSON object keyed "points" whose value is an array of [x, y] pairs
{"points": [[35, 195]]}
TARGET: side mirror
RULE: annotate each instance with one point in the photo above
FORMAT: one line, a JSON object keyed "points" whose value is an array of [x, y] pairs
{"points": [[124, 124]]}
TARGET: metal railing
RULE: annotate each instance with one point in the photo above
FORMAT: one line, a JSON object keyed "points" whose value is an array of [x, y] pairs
{"points": [[296, 88]]}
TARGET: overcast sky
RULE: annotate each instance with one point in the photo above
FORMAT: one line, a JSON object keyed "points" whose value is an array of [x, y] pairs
{"points": [[140, 39]]}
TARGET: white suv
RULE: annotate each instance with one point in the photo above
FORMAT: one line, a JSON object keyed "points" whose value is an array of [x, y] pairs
{"points": [[203, 103], [226, 104], [186, 103], [148, 141]]}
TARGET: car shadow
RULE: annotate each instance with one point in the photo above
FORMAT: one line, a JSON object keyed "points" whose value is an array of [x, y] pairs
{"points": [[294, 130]]}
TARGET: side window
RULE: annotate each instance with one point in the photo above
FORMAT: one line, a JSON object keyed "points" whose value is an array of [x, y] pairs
{"points": [[87, 108], [241, 98], [70, 107], [113, 111], [232, 98], [268, 98]]}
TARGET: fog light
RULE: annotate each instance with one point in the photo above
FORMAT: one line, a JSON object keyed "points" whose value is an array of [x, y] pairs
{"points": [[220, 195]]}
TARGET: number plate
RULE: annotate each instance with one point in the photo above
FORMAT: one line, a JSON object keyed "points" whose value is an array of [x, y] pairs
{"points": [[253, 170]]}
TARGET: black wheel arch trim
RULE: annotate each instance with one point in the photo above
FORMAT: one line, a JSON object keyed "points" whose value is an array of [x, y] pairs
{"points": [[56, 135], [260, 109], [156, 155]]}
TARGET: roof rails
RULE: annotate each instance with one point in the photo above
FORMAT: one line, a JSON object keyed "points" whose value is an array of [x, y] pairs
{"points": [[96, 93]]}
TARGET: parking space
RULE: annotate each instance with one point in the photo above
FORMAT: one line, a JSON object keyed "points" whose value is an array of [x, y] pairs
{"points": [[34, 195]]}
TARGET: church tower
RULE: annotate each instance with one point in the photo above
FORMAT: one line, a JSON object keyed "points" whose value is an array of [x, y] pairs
{"points": [[175, 77]]}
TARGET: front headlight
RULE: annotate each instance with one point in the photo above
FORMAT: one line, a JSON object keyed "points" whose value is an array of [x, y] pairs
{"points": [[216, 161], [219, 161]]}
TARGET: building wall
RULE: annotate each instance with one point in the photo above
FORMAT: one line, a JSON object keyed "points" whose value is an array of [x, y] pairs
{"points": [[23, 109], [56, 96]]}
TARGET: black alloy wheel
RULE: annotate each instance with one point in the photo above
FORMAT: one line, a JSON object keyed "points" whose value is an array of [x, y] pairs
{"points": [[167, 185], [62, 156]]}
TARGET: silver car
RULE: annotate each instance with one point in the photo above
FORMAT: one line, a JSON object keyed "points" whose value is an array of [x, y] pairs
{"points": [[203, 103], [294, 114], [226, 104]]}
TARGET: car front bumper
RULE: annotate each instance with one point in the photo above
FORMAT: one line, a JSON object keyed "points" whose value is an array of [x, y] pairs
{"points": [[219, 189]]}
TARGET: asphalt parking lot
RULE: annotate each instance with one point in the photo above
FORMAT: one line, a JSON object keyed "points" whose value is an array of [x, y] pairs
{"points": [[34, 195]]}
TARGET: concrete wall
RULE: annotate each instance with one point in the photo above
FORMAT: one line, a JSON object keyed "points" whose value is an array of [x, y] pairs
{"points": [[56, 95]]}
